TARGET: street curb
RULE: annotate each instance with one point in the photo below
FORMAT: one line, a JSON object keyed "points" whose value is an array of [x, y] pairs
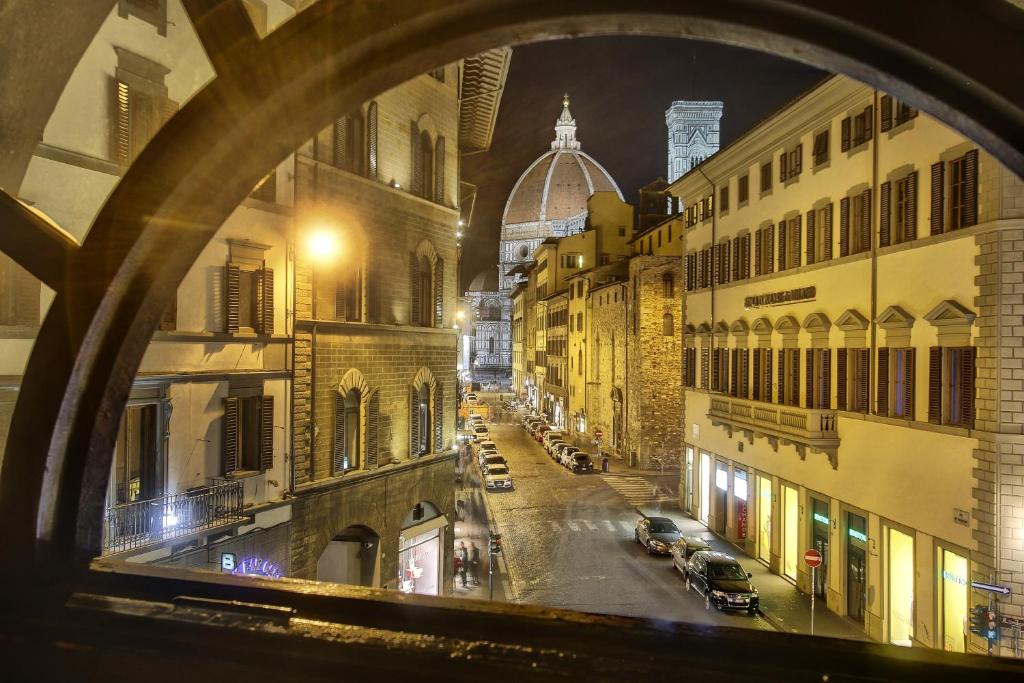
{"points": [[508, 584], [772, 622]]}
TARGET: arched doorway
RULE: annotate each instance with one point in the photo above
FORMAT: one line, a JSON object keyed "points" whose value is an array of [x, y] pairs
{"points": [[421, 550], [351, 557]]}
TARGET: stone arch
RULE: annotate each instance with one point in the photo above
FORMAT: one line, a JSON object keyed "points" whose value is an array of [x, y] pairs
{"points": [[425, 249], [109, 324], [424, 386], [353, 379], [425, 124], [352, 556]]}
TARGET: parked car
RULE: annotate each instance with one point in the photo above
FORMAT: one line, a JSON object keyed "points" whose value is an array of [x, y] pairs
{"points": [[492, 460], [539, 432], [581, 462], [551, 442], [684, 548], [498, 477], [530, 421], [486, 443], [484, 453], [556, 452], [722, 581], [480, 432], [565, 455], [549, 436], [656, 534]]}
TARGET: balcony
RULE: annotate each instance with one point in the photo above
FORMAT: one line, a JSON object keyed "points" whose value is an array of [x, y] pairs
{"points": [[148, 522], [804, 428]]}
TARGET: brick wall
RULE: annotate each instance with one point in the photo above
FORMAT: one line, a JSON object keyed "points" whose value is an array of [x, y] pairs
{"points": [[606, 369], [654, 402]]}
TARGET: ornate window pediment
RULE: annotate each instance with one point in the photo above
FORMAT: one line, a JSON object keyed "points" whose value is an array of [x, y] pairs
{"points": [[950, 312], [817, 322], [895, 318], [787, 324], [739, 328], [703, 329], [689, 332], [762, 326], [852, 321]]}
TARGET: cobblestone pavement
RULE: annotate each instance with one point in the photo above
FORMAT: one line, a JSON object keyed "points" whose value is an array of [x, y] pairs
{"points": [[569, 541]]}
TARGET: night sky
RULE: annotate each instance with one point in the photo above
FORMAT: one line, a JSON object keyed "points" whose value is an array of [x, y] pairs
{"points": [[619, 89]]}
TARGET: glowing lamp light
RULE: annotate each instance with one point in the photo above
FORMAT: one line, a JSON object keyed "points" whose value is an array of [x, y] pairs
{"points": [[461, 222], [322, 245], [458, 233]]}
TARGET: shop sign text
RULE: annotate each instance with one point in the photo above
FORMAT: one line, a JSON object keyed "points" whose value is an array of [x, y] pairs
{"points": [[788, 296]]}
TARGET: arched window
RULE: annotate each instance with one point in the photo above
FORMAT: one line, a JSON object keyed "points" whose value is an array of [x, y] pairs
{"points": [[579, 362], [424, 291], [421, 434], [348, 142], [490, 345], [347, 431], [667, 325], [669, 284], [439, 171], [371, 141], [427, 163]]}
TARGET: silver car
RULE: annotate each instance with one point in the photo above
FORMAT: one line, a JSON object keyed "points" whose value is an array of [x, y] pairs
{"points": [[498, 477]]}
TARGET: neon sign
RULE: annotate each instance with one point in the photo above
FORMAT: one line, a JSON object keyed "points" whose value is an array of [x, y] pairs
{"points": [[859, 535], [950, 576], [257, 566], [818, 517]]}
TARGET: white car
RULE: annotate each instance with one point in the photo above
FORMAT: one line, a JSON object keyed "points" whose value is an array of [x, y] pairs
{"points": [[484, 454], [498, 477], [487, 444], [565, 458], [480, 433], [492, 461]]}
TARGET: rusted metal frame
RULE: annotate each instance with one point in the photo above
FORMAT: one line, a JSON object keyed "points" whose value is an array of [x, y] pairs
{"points": [[37, 244], [328, 59], [224, 29]]}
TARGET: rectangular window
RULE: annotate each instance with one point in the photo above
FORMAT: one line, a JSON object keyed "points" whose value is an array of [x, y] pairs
{"points": [[791, 163], [895, 112], [789, 243], [789, 377], [957, 193], [136, 472], [766, 177], [743, 188], [852, 370], [248, 433], [723, 199], [857, 129], [819, 234], [951, 386], [761, 388], [819, 378], [821, 148], [764, 250]]}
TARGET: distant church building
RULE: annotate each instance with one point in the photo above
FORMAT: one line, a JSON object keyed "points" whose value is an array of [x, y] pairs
{"points": [[692, 134], [548, 201]]}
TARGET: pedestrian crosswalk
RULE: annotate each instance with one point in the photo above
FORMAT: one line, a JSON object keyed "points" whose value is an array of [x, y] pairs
{"points": [[637, 490], [586, 525]]}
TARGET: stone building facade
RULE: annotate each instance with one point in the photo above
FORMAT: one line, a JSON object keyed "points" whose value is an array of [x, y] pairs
{"points": [[851, 362], [693, 134]]}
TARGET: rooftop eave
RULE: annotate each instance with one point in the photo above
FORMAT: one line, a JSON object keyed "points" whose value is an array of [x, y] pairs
{"points": [[483, 82]]}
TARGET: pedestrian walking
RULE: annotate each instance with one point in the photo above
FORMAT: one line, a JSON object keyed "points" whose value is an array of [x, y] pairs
{"points": [[463, 561], [474, 562], [460, 569]]}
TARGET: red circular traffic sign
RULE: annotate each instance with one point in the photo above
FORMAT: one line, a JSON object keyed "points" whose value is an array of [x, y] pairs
{"points": [[813, 558], [598, 433]]}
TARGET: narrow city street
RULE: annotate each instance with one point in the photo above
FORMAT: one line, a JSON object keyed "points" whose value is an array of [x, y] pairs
{"points": [[568, 539]]}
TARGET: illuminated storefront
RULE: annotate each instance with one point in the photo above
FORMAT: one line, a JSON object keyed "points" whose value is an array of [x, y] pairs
{"points": [[689, 477], [856, 565], [705, 487], [820, 542], [901, 587], [739, 492], [790, 531], [721, 496], [764, 519], [420, 551], [954, 597]]}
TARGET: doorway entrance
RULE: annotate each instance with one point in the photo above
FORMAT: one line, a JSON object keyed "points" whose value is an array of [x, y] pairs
{"points": [[856, 565], [705, 487], [352, 557], [901, 588], [764, 519], [790, 531], [820, 542]]}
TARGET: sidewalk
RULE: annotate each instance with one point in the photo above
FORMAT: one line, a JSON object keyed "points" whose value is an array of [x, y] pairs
{"points": [[473, 528], [782, 605]]}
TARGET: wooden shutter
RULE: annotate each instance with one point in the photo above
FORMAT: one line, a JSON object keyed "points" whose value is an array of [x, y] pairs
{"points": [[726, 257], [416, 185], [715, 369], [910, 218], [970, 188], [908, 384], [884, 229], [783, 259], [372, 427], [438, 418], [794, 242], [967, 387], [798, 157], [865, 221], [844, 227], [339, 298], [794, 377], [686, 367], [266, 301], [371, 141], [869, 122], [809, 378], [938, 187], [439, 170], [886, 112], [122, 135], [781, 398], [704, 353], [863, 388], [770, 249], [810, 237], [232, 274], [782, 167], [935, 385], [414, 423], [828, 232], [439, 292], [734, 379], [841, 377], [338, 453], [266, 432], [357, 147], [414, 289], [229, 451], [845, 139], [757, 375], [768, 376], [745, 265], [744, 370], [343, 142], [882, 383], [758, 249], [825, 400], [737, 249]]}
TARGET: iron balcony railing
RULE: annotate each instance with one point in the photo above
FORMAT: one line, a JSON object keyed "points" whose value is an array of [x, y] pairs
{"points": [[147, 522]]}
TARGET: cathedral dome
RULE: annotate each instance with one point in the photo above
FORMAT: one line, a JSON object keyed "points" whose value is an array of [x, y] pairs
{"points": [[557, 185], [485, 281]]}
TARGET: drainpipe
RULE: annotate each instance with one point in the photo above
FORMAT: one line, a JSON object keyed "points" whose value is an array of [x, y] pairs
{"points": [[714, 235], [877, 133]]}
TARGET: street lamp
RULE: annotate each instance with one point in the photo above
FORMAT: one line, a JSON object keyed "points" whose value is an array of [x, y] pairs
{"points": [[322, 245]]}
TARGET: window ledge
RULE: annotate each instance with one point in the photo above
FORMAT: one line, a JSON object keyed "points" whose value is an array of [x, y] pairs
{"points": [[243, 474]]}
